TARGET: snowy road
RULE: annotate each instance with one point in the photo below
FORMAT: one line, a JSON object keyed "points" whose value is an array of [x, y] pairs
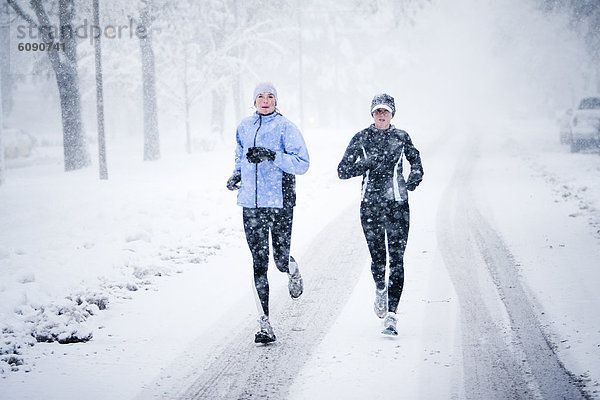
{"points": [[500, 282], [244, 370], [506, 354], [504, 351], [496, 348]]}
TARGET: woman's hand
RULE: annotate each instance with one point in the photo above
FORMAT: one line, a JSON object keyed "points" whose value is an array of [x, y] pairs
{"points": [[259, 154], [414, 178], [234, 180]]}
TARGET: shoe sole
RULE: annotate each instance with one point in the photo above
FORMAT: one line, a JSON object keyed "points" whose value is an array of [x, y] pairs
{"points": [[259, 338], [389, 332], [381, 312], [293, 295]]}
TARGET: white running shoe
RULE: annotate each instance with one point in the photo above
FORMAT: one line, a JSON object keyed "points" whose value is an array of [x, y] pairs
{"points": [[265, 334], [389, 324], [295, 284], [380, 304]]}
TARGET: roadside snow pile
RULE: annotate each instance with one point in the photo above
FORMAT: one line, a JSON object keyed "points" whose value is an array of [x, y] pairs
{"points": [[581, 191], [573, 178], [71, 245], [64, 320], [56, 322]]}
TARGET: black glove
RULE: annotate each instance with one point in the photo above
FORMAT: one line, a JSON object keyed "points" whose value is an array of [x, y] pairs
{"points": [[259, 154], [234, 180], [372, 162], [414, 178]]}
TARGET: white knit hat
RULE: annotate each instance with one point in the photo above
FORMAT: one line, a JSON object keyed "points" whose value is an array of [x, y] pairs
{"points": [[265, 87]]}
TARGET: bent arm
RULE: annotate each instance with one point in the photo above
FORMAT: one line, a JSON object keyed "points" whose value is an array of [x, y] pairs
{"points": [[294, 159], [239, 151], [352, 164], [414, 158]]}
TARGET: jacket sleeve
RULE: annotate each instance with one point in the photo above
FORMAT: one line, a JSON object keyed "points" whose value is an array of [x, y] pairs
{"points": [[294, 159], [239, 151], [352, 164], [414, 157]]}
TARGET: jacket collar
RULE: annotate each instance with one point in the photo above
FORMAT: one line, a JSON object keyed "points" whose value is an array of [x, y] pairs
{"points": [[372, 129], [265, 118]]}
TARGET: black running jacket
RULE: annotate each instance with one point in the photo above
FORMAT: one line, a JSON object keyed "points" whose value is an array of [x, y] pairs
{"points": [[377, 156]]}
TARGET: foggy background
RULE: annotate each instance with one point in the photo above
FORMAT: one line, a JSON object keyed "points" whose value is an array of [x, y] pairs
{"points": [[446, 63]]}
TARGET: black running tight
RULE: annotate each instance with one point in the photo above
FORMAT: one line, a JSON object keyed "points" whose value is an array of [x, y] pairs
{"points": [[391, 218], [257, 223]]}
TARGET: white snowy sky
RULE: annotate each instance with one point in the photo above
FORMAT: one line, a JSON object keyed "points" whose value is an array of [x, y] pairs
{"points": [[456, 61]]}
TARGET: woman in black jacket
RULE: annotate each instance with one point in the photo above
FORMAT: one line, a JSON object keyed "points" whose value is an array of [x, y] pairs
{"points": [[376, 153]]}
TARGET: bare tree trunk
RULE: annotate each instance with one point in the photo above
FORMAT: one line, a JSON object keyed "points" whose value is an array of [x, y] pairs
{"points": [[64, 63], [237, 97], [1, 144], [300, 69], [103, 171], [6, 85], [236, 88], [67, 78], [218, 112], [75, 151], [237, 80], [151, 139], [186, 99]]}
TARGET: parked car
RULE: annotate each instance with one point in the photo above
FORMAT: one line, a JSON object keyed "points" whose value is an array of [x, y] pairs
{"points": [[585, 124], [564, 125], [17, 143]]}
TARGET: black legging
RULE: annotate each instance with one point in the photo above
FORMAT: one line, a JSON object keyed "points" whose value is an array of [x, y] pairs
{"points": [[393, 218], [257, 223]]}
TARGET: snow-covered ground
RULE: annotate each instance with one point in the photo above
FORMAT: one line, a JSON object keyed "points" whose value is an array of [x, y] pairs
{"points": [[148, 267]]}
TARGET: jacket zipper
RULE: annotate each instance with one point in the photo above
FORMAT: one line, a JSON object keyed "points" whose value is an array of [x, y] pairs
{"points": [[256, 165]]}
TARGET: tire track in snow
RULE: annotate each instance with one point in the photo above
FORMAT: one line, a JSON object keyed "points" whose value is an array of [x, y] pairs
{"points": [[506, 355], [243, 370]]}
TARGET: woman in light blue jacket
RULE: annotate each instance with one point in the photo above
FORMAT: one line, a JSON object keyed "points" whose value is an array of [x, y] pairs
{"points": [[270, 152]]}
